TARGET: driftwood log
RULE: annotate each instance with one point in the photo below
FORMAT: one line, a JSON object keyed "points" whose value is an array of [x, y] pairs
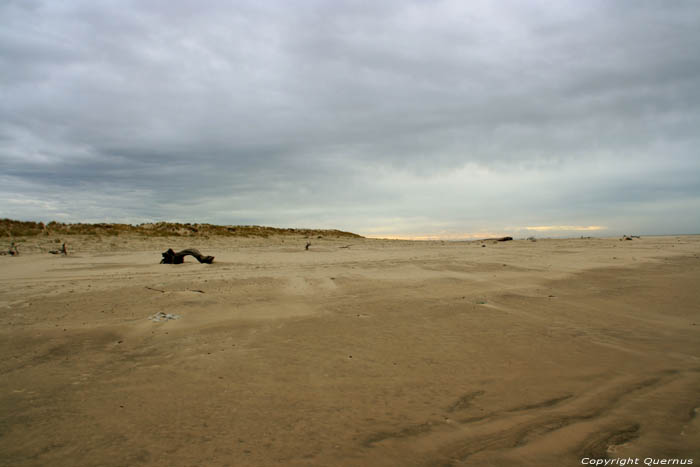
{"points": [[12, 251], [171, 257], [498, 239]]}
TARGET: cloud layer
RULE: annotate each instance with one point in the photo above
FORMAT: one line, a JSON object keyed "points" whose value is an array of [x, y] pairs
{"points": [[384, 118]]}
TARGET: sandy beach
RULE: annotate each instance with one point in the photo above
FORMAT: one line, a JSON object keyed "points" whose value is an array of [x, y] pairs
{"points": [[356, 352]]}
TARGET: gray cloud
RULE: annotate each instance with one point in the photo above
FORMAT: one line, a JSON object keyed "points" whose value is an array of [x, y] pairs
{"points": [[404, 118]]}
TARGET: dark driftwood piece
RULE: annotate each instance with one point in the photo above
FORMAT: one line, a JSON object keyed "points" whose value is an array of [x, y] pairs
{"points": [[499, 239], [170, 257], [13, 251]]}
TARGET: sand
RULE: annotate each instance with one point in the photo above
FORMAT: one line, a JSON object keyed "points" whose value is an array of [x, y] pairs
{"points": [[357, 352]]}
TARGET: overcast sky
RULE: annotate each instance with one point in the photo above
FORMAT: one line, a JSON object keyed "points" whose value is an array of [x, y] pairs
{"points": [[386, 118]]}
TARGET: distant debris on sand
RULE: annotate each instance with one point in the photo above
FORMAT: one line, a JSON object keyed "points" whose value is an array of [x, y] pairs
{"points": [[498, 239], [62, 251], [171, 257], [162, 316], [12, 251], [629, 237]]}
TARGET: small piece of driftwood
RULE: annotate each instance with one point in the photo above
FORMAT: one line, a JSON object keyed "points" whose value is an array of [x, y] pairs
{"points": [[499, 239], [12, 251], [171, 257]]}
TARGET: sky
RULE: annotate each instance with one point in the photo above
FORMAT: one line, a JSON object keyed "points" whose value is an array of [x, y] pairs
{"points": [[401, 119]]}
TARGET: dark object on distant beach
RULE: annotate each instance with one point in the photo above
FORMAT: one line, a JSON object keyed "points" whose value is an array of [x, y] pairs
{"points": [[12, 251], [170, 257], [499, 239], [307, 246], [62, 251]]}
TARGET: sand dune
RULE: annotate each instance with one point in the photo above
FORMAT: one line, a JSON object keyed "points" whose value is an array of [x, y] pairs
{"points": [[378, 353]]}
